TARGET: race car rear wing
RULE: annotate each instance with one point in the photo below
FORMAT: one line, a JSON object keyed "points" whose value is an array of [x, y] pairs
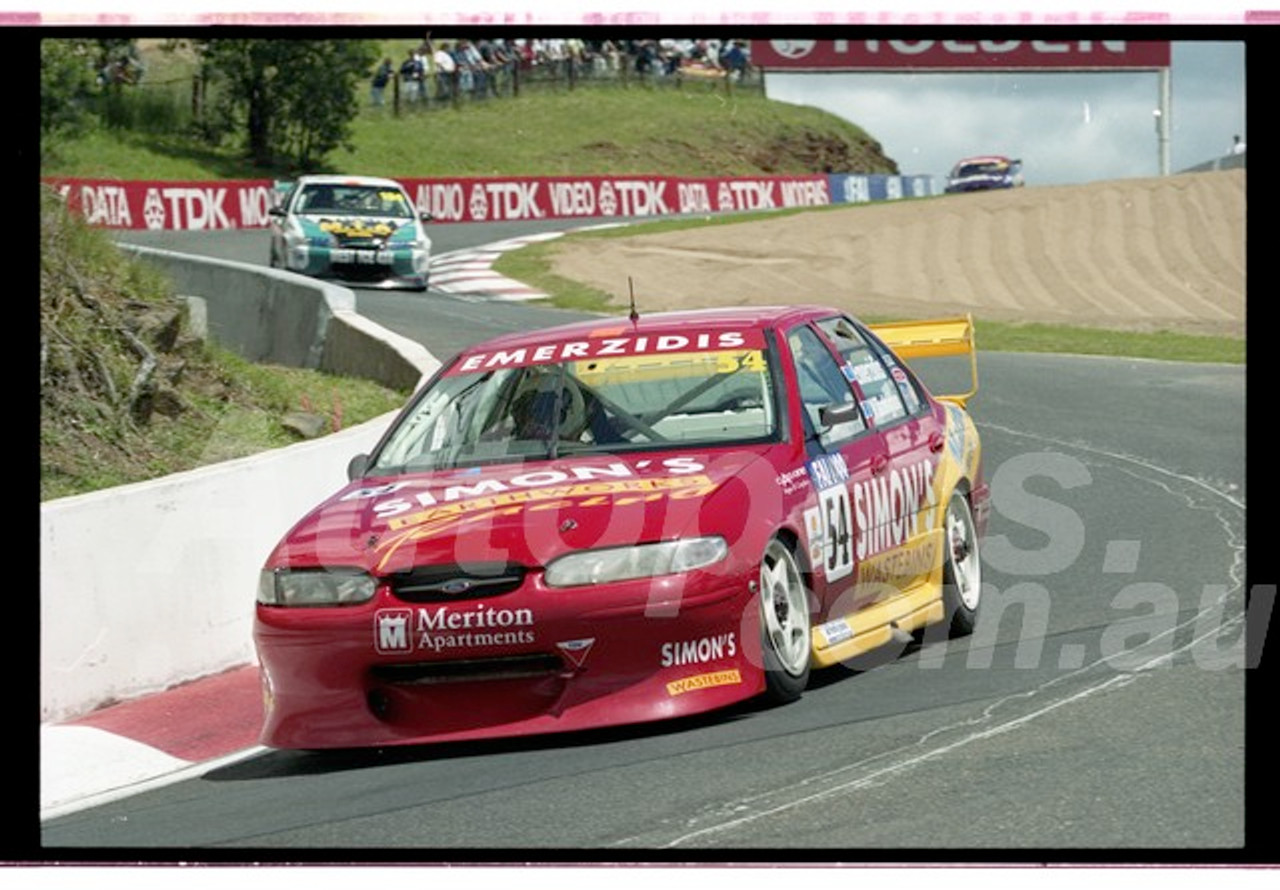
{"points": [[934, 337]]}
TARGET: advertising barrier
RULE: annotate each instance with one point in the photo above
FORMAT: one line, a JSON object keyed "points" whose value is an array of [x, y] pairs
{"points": [[244, 204], [859, 188]]}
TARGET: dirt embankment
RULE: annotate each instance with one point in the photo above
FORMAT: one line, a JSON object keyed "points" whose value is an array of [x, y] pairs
{"points": [[1164, 253]]}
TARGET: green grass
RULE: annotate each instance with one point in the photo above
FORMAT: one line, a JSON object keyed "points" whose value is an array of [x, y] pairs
{"points": [[1165, 345], [242, 416], [698, 129], [81, 458]]}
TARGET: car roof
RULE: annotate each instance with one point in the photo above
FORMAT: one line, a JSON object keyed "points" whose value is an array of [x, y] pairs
{"points": [[735, 318], [337, 179], [985, 159]]}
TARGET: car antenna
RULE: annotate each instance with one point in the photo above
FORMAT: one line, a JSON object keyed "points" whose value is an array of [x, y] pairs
{"points": [[635, 315]]}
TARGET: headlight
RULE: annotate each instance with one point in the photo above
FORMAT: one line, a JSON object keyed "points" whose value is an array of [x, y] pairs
{"points": [[297, 245], [315, 587], [421, 258], [644, 561], [293, 232]]}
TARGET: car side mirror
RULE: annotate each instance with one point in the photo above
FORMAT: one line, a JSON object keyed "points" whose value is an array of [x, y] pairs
{"points": [[425, 216], [837, 413], [357, 466], [276, 211]]}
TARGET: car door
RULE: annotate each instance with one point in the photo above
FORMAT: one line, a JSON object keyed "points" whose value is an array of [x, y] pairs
{"points": [[898, 504], [841, 448]]}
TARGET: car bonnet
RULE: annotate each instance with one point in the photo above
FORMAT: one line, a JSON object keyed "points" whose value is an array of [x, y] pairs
{"points": [[530, 513]]}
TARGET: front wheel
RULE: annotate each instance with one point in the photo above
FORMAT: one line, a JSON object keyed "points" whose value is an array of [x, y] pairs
{"points": [[784, 624], [962, 569]]}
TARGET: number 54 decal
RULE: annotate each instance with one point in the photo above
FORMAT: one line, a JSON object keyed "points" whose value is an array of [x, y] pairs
{"points": [[831, 533]]}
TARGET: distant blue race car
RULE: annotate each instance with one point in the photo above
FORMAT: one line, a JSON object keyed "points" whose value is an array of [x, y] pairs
{"points": [[358, 229], [985, 172]]}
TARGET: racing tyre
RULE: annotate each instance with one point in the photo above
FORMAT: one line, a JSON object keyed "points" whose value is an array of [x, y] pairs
{"points": [[784, 624], [962, 569]]}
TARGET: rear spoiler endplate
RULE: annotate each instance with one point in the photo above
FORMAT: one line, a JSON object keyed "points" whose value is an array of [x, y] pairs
{"points": [[934, 337]]}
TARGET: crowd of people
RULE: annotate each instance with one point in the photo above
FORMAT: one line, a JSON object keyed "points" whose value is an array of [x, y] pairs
{"points": [[444, 69]]}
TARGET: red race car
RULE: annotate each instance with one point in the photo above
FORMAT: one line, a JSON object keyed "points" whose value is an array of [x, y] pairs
{"points": [[624, 520]]}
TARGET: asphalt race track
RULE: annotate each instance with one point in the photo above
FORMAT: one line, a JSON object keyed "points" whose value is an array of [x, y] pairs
{"points": [[1097, 713]]}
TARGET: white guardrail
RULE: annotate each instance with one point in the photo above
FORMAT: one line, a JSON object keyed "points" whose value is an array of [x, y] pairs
{"points": [[146, 586]]}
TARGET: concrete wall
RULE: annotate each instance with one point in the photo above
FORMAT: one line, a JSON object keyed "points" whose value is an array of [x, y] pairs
{"points": [[269, 315], [149, 585], [356, 347], [265, 315]]}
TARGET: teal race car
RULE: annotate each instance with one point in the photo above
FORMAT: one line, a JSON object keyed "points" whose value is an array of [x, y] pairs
{"points": [[361, 230]]}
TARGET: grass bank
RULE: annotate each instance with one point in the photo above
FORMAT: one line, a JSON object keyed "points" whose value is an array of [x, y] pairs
{"points": [[693, 130]]}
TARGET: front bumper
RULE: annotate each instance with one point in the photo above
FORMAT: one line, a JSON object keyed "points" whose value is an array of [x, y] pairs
{"points": [[375, 266], [533, 661], [977, 185]]}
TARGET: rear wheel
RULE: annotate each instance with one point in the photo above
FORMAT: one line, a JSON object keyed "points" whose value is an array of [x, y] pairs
{"points": [[784, 623], [962, 569]]}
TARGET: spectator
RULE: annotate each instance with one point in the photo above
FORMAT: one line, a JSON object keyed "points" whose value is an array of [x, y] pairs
{"points": [[491, 60], [541, 53], [735, 61], [1237, 146], [713, 52], [509, 60], [608, 54], [471, 64], [426, 58], [420, 69], [575, 54], [557, 52], [462, 61], [526, 58], [446, 69], [381, 78], [646, 55], [410, 76], [669, 54]]}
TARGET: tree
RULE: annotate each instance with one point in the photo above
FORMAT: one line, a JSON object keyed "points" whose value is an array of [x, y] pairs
{"points": [[294, 99], [66, 84]]}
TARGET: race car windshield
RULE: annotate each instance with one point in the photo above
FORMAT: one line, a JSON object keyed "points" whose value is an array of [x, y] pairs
{"points": [[986, 169], [355, 200], [592, 406]]}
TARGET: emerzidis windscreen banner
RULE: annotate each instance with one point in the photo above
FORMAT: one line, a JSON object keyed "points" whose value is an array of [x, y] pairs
{"points": [[960, 55]]}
